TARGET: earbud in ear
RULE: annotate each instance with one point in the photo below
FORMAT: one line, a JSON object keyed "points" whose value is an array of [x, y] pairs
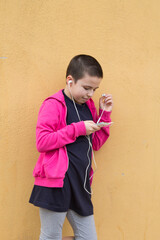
{"points": [[70, 81]]}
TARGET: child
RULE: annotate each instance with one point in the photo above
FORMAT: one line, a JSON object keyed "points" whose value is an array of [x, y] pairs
{"points": [[66, 128]]}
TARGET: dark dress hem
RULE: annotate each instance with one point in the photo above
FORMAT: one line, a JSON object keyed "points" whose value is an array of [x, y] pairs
{"points": [[50, 207]]}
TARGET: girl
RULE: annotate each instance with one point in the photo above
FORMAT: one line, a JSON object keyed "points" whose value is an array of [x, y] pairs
{"points": [[66, 131]]}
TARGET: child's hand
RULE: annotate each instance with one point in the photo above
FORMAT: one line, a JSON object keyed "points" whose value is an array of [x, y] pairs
{"points": [[91, 127], [107, 102]]}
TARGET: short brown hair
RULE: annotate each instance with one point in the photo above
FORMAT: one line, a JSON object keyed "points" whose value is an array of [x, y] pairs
{"points": [[82, 64]]}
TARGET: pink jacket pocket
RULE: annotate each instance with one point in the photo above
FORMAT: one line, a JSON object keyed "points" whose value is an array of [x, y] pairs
{"points": [[51, 164], [56, 166]]}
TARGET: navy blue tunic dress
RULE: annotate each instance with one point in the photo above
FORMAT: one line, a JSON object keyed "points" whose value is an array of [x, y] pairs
{"points": [[72, 195]]}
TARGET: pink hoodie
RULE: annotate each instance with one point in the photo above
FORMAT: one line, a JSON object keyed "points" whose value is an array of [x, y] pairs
{"points": [[52, 135]]}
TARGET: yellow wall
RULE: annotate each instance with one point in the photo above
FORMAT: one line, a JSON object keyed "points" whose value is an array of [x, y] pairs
{"points": [[37, 40]]}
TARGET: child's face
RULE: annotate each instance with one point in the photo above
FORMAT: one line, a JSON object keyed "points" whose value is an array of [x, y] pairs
{"points": [[84, 88]]}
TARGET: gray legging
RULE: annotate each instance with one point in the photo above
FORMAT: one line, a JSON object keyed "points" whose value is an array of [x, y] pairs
{"points": [[52, 224]]}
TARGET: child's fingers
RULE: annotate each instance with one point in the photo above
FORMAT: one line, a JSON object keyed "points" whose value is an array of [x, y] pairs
{"points": [[109, 97], [108, 101], [103, 99], [96, 127]]}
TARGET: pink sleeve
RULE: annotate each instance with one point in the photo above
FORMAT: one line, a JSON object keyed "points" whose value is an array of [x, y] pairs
{"points": [[48, 137], [99, 137]]}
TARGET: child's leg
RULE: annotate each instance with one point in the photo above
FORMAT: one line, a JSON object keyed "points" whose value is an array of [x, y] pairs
{"points": [[83, 226], [51, 224]]}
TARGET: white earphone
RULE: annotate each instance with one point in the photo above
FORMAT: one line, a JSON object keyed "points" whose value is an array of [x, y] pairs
{"points": [[90, 144], [70, 81]]}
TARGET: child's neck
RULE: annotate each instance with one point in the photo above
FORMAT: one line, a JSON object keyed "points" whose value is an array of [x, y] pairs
{"points": [[66, 91]]}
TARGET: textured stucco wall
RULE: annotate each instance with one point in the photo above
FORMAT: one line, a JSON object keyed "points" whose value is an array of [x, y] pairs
{"points": [[37, 40]]}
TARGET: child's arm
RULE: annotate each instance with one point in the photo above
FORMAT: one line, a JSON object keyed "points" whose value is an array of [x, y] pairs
{"points": [[47, 136], [99, 137]]}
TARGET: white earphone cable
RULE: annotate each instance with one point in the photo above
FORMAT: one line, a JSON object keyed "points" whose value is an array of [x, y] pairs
{"points": [[90, 144]]}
